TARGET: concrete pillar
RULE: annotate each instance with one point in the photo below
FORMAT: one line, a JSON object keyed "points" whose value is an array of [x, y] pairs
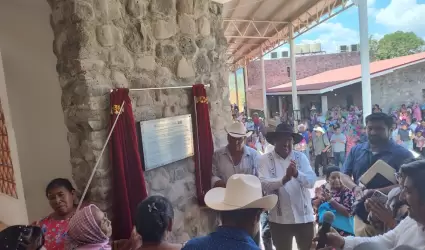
{"points": [[280, 105], [324, 104], [245, 72], [295, 102], [264, 88], [236, 89], [364, 58]]}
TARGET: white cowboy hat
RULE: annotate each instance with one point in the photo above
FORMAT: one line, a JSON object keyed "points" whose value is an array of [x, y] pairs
{"points": [[237, 130], [242, 191], [319, 129]]}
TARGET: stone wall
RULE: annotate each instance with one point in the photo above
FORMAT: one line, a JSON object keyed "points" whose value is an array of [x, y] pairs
{"points": [[405, 85], [104, 44], [276, 71]]}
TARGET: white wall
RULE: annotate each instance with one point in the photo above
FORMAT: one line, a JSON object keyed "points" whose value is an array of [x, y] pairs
{"points": [[12, 211], [34, 98]]}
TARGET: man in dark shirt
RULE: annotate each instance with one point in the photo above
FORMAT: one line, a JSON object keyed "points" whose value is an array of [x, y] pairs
{"points": [[378, 147]]}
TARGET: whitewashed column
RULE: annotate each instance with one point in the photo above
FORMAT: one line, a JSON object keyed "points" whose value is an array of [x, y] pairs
{"points": [[364, 58]]}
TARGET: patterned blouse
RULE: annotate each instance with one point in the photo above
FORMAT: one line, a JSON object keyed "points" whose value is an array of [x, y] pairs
{"points": [[344, 197], [55, 232]]}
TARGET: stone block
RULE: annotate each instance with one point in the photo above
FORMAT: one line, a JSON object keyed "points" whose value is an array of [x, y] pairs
{"points": [[119, 80], [138, 38], [104, 35], [166, 50], [204, 27], [163, 7], [185, 6], [184, 69], [73, 140], [187, 24], [165, 29], [202, 65], [187, 46], [163, 76], [146, 63], [145, 113], [207, 43], [86, 65], [143, 81], [144, 98], [160, 179], [120, 58], [137, 8], [201, 7], [83, 11]]}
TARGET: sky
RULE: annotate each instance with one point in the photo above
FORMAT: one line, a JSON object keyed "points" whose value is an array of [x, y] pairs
{"points": [[385, 16]]}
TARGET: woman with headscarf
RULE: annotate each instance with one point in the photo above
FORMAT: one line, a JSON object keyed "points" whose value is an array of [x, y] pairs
{"points": [[89, 229], [22, 238]]}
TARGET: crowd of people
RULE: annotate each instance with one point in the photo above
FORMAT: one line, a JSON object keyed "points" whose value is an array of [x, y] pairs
{"points": [[268, 186]]}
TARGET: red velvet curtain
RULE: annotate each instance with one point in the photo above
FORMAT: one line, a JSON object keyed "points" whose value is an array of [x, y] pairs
{"points": [[204, 147], [128, 181]]}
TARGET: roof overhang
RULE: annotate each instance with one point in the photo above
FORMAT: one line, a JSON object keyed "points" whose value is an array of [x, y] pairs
{"points": [[253, 27], [346, 83]]}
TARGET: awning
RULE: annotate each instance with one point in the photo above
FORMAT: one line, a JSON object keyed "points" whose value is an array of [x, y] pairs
{"points": [[254, 24]]}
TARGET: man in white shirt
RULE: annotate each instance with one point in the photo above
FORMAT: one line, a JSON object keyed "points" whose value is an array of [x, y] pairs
{"points": [[288, 174], [410, 232]]}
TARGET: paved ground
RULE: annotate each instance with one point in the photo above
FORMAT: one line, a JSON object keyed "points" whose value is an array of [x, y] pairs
{"points": [[318, 183]]}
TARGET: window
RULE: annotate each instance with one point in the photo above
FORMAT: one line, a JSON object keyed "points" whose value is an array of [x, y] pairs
{"points": [[7, 178], [274, 55], [285, 54]]}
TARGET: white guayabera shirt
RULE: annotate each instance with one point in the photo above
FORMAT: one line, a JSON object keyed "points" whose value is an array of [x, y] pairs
{"points": [[294, 204], [407, 233]]}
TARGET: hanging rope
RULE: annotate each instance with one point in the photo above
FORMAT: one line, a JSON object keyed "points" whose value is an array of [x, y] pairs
{"points": [[100, 157]]}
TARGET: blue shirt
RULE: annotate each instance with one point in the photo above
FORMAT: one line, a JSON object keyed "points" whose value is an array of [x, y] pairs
{"points": [[224, 238], [361, 158], [305, 135]]}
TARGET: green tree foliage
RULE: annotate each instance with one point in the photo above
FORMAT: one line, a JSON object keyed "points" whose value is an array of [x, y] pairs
{"points": [[395, 45]]}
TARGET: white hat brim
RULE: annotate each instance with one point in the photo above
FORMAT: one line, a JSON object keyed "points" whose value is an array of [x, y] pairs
{"points": [[214, 199], [237, 135]]}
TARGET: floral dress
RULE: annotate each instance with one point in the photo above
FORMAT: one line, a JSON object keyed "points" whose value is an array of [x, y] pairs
{"points": [[344, 197], [55, 232]]}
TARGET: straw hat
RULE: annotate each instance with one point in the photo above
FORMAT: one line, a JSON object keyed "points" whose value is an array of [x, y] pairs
{"points": [[237, 130], [319, 129], [242, 191]]}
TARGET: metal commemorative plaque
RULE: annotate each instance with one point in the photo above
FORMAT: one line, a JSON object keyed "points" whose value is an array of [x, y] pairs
{"points": [[166, 140]]}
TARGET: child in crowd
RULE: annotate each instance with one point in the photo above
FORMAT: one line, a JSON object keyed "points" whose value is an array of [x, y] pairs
{"points": [[335, 197], [420, 142]]}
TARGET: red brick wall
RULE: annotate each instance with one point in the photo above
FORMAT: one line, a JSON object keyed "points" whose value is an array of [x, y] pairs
{"points": [[276, 71]]}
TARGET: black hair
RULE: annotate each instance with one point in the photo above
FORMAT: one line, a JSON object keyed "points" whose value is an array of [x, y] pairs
{"points": [[19, 237], [153, 217], [336, 126], [239, 217], [414, 120], [59, 182], [416, 172], [388, 120], [329, 170]]}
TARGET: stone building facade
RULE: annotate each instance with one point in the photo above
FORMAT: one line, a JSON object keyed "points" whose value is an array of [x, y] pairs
{"points": [[403, 86], [105, 44]]}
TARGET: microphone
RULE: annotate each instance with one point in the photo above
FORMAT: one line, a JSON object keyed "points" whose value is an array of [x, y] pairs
{"points": [[328, 219]]}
